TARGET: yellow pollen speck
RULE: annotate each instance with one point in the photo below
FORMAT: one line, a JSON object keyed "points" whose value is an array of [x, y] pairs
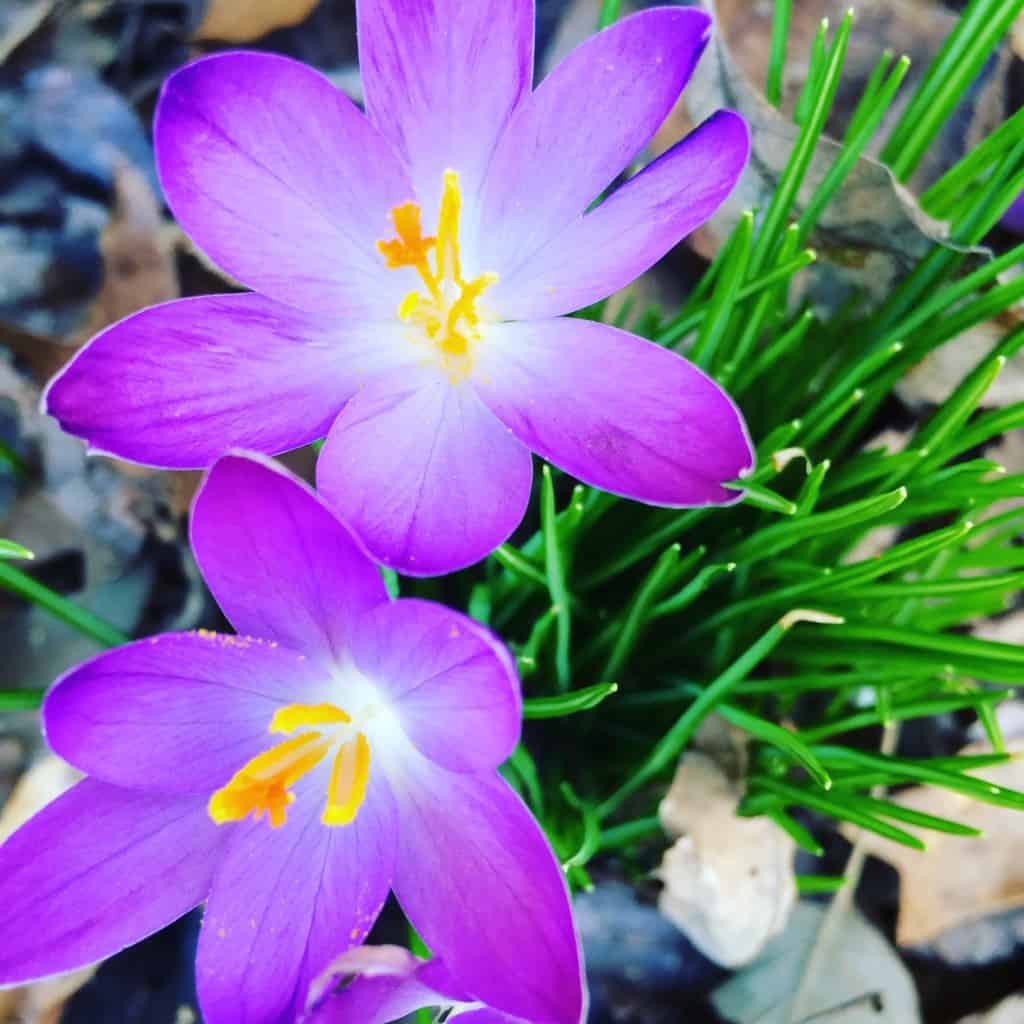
{"points": [[448, 314]]}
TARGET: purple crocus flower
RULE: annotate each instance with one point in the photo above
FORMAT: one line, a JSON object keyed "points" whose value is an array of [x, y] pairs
{"points": [[411, 268], [341, 746], [380, 984]]}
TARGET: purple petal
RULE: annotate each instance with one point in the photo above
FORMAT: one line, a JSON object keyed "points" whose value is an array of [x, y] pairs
{"points": [[452, 683], [279, 179], [388, 982], [178, 385], [592, 114], [478, 880], [178, 713], [616, 411], [279, 563], [441, 78], [427, 478], [386, 986], [1013, 219], [286, 901], [97, 870], [609, 247]]}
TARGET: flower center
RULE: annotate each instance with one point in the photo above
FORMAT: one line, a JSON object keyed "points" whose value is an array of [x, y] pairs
{"points": [[447, 311], [263, 785]]}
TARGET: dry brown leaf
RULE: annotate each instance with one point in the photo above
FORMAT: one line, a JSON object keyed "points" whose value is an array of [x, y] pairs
{"points": [[957, 879], [868, 237], [43, 1001], [241, 21], [729, 882], [904, 27], [138, 255], [1009, 1011]]}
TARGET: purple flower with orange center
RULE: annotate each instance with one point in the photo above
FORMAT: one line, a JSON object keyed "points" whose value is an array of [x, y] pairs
{"points": [[342, 746], [411, 268]]}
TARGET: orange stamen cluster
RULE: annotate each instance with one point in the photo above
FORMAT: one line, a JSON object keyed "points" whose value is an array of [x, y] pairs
{"points": [[263, 785], [448, 312]]}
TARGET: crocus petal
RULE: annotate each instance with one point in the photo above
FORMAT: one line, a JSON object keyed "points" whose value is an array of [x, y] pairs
{"points": [[615, 411], [179, 384], [279, 563], [385, 986], [427, 478], [386, 983], [285, 901], [636, 68], [609, 247], [452, 683], [280, 180], [479, 882], [441, 78], [97, 870], [178, 713]]}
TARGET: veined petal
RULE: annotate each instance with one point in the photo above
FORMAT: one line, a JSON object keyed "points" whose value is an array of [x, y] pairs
{"points": [[592, 114], [281, 181], [179, 384], [441, 78], [452, 683], [424, 474], [615, 411], [285, 901], [178, 713], [279, 563], [609, 247], [96, 870], [479, 882]]}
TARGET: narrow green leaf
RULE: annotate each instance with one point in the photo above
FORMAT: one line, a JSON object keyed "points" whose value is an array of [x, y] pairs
{"points": [[568, 703], [516, 562], [556, 580], [11, 549], [610, 11], [762, 497], [812, 885], [21, 700], [835, 805], [79, 619], [775, 735], [639, 608], [668, 748], [777, 53], [774, 539]]}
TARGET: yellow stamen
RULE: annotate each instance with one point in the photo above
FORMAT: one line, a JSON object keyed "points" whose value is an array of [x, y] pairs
{"points": [[448, 312], [349, 776], [289, 719], [263, 785]]}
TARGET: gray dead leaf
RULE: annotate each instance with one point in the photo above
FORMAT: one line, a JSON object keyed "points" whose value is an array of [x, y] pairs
{"points": [[1009, 1011], [728, 880], [869, 236], [863, 965]]}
